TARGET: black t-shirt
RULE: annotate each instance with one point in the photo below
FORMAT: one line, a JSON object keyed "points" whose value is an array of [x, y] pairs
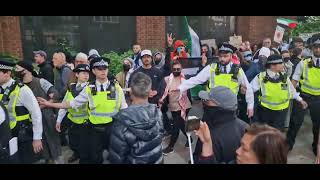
{"points": [[157, 82]]}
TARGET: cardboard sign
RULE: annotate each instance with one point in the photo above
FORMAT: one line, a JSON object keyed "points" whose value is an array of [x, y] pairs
{"points": [[211, 43], [278, 35], [235, 41]]}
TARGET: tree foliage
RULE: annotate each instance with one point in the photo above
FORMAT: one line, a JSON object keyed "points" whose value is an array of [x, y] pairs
{"points": [[308, 24]]}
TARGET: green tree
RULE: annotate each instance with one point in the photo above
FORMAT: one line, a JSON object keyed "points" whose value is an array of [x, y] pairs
{"points": [[307, 24]]}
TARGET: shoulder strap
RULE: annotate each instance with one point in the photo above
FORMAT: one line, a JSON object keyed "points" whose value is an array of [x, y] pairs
{"points": [[9, 90], [235, 71]]}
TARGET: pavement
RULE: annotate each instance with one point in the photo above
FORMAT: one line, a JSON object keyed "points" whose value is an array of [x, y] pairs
{"points": [[301, 153]]}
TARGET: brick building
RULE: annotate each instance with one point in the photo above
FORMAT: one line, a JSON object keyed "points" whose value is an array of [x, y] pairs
{"points": [[19, 35]]}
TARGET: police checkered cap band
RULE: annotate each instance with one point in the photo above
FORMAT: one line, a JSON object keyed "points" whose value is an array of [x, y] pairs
{"points": [[83, 69], [275, 61], [100, 63], [5, 67], [222, 48]]}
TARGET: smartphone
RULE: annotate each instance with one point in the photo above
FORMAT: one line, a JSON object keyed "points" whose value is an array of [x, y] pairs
{"points": [[193, 123]]}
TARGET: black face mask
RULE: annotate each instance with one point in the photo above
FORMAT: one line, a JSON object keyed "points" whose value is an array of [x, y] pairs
{"points": [[157, 62], [210, 112], [20, 74], [176, 74], [126, 67]]}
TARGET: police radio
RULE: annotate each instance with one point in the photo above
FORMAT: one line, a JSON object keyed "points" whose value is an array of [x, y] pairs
{"points": [[112, 94]]}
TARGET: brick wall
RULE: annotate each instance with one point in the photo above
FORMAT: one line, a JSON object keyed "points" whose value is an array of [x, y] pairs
{"points": [[151, 31], [10, 35], [255, 28]]}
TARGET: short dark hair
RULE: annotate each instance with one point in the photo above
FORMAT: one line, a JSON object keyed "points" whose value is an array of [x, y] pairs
{"points": [[266, 38], [175, 63], [140, 85], [205, 45], [284, 51], [296, 52], [269, 144]]}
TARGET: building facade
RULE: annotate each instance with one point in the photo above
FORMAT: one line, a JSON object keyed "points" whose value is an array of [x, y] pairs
{"points": [[20, 35]]}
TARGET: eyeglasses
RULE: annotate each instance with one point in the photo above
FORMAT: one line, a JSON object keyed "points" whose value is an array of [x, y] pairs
{"points": [[176, 69]]}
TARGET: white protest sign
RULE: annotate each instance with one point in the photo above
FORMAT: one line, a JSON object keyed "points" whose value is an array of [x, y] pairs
{"points": [[210, 42], [235, 41], [278, 35]]}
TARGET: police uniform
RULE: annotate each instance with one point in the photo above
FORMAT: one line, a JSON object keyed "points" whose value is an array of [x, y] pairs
{"points": [[230, 75], [275, 92], [24, 114], [307, 73], [104, 101], [76, 116], [5, 135]]}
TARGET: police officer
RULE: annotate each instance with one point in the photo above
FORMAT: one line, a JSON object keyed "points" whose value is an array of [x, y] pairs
{"points": [[105, 98], [5, 135], [307, 74], [224, 73], [76, 116], [21, 105], [275, 91]]}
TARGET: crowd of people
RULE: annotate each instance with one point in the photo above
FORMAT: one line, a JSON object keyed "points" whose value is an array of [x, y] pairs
{"points": [[250, 96]]}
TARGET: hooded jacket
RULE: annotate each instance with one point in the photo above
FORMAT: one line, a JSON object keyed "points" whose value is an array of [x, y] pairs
{"points": [[226, 132], [137, 136]]}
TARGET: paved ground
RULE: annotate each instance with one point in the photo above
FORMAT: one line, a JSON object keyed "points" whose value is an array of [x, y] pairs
{"points": [[301, 153]]}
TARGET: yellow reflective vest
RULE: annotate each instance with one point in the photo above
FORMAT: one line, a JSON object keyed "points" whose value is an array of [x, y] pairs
{"points": [[229, 80], [274, 95]]}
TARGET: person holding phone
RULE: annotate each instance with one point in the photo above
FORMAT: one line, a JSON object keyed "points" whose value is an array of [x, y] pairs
{"points": [[261, 144], [179, 108], [225, 128]]}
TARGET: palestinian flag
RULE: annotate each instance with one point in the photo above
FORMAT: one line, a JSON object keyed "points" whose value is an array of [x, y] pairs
{"points": [[287, 22], [190, 38]]}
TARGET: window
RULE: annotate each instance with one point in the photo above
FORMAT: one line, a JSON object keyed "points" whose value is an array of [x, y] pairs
{"points": [[106, 19]]}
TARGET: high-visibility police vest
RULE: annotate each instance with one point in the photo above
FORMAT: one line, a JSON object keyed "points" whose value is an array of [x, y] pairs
{"points": [[229, 80], [310, 80], [274, 95], [103, 105], [9, 98], [79, 115]]}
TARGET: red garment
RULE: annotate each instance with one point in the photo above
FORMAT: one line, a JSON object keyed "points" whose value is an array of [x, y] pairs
{"points": [[235, 59], [177, 44]]}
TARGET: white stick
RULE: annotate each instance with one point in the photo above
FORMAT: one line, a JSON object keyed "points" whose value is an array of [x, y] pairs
{"points": [[190, 147]]}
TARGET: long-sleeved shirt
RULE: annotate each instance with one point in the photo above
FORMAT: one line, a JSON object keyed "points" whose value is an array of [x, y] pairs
{"points": [[298, 72], [158, 83], [204, 76], [63, 112], [28, 100], [256, 85], [82, 98]]}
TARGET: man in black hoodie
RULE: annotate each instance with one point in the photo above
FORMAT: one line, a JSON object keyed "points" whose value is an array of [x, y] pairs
{"points": [[225, 128], [137, 131], [45, 66]]}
